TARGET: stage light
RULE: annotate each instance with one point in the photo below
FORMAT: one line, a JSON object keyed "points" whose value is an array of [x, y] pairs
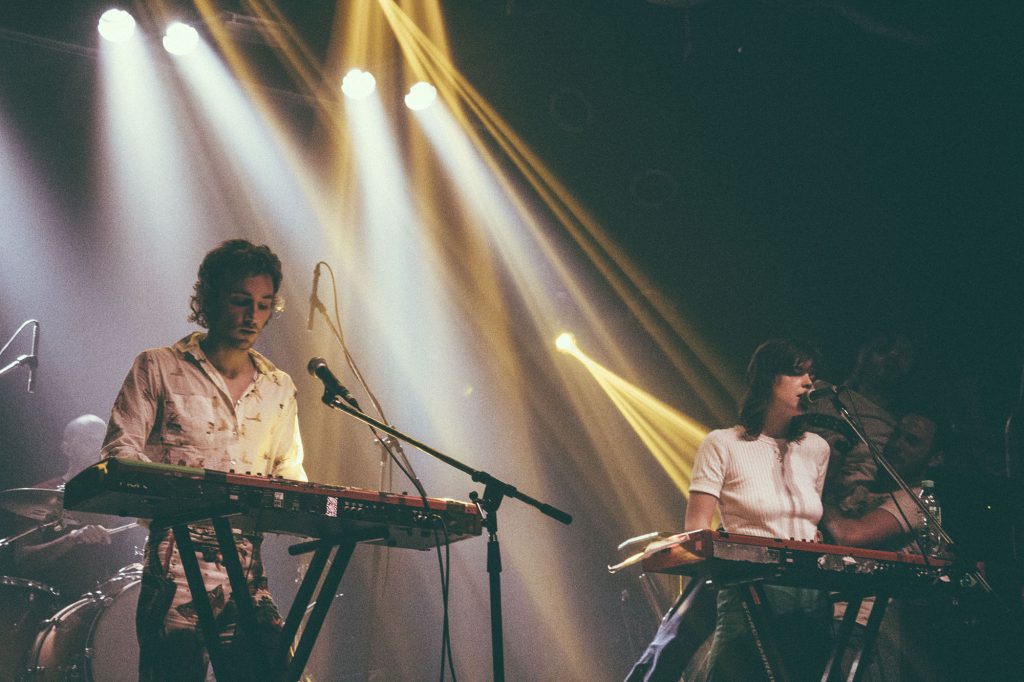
{"points": [[421, 95], [116, 25], [180, 39], [358, 84], [566, 343]]}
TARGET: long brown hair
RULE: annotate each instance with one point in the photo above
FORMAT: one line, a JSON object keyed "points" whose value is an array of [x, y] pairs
{"points": [[772, 358]]}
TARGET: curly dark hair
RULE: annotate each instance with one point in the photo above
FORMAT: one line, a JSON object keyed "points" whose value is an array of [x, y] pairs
{"points": [[233, 260], [772, 358]]}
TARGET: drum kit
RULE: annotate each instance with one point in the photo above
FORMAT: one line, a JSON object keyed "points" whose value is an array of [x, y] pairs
{"points": [[91, 638]]}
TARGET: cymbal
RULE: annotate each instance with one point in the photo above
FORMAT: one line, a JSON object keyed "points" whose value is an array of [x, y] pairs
{"points": [[43, 504], [37, 504]]}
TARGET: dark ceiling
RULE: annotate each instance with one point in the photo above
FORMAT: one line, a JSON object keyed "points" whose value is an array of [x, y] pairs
{"points": [[822, 169]]}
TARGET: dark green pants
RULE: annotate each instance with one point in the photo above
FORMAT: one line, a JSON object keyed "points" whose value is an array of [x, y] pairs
{"points": [[800, 623]]}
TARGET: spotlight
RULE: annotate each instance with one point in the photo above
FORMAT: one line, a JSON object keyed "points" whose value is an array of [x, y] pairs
{"points": [[358, 84], [421, 95], [116, 25], [566, 343], [180, 39]]}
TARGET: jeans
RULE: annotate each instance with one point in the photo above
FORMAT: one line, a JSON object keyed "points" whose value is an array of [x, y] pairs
{"points": [[800, 624]]}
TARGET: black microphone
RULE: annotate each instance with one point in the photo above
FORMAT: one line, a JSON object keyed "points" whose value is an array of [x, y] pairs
{"points": [[33, 361], [824, 391], [313, 299], [318, 368]]}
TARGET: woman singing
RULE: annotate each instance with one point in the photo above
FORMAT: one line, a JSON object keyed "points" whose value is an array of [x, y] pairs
{"points": [[765, 476]]}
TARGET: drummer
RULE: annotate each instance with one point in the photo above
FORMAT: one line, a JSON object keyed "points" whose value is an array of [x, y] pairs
{"points": [[83, 438], [64, 552]]}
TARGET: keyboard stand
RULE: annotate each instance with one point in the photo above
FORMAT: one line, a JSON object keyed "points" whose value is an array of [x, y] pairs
{"points": [[279, 666], [342, 547]]}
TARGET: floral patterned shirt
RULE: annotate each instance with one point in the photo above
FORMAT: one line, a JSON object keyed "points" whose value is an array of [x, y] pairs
{"points": [[174, 408]]}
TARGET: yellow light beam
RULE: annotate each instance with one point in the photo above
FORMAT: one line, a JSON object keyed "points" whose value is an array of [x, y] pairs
{"points": [[671, 436], [673, 335]]}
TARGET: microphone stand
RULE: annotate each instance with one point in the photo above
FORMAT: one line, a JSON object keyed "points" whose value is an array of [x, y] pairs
{"points": [[30, 361], [881, 461], [495, 490], [26, 360]]}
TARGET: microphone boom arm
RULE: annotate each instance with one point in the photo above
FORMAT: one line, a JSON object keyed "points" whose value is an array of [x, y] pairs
{"points": [[880, 459], [493, 484], [26, 360], [495, 491], [506, 489], [31, 361], [890, 469]]}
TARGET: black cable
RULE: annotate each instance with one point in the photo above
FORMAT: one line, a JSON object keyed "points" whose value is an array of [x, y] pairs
{"points": [[446, 566], [397, 456], [399, 459]]}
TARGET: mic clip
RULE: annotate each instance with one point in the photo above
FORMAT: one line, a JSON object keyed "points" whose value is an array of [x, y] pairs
{"points": [[341, 393]]}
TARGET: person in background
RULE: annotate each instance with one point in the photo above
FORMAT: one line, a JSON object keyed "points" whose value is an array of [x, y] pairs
{"points": [[210, 401], [906, 646], [871, 395], [75, 552], [892, 518], [83, 438]]}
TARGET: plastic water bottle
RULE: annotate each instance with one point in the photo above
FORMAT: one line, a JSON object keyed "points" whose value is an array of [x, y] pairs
{"points": [[931, 541]]}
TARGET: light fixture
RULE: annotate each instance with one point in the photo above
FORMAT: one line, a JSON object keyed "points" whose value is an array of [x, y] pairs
{"points": [[180, 39], [566, 343], [421, 95], [358, 84], [116, 25]]}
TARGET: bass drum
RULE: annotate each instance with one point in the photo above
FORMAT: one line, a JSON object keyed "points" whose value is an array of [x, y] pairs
{"points": [[93, 638], [24, 604]]}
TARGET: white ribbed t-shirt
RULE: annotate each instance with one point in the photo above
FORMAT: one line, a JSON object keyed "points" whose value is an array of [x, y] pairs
{"points": [[765, 487]]}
